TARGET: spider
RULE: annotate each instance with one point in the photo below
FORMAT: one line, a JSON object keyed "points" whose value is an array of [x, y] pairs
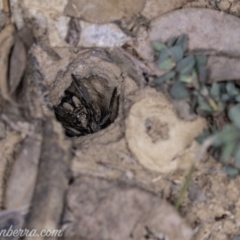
{"points": [[80, 115]]}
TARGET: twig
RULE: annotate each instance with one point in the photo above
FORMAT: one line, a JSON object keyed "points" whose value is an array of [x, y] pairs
{"points": [[139, 64], [203, 149], [184, 188], [199, 156]]}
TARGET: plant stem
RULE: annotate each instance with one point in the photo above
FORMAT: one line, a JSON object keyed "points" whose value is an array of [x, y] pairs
{"points": [[184, 188]]}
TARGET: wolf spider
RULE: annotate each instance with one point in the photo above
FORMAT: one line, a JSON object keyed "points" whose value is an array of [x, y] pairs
{"points": [[80, 115]]}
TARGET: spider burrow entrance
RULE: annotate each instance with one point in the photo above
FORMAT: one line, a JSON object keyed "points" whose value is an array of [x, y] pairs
{"points": [[88, 105]]}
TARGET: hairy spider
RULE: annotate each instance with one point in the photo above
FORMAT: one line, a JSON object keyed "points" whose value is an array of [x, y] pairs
{"points": [[79, 114]]}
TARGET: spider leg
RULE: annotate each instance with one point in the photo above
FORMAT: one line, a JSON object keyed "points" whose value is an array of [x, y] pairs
{"points": [[73, 132], [112, 99], [67, 99], [80, 90], [108, 115], [60, 114], [63, 116], [96, 113]]}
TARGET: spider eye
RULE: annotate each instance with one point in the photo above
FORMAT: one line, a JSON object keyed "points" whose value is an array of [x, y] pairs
{"points": [[76, 101], [67, 106]]}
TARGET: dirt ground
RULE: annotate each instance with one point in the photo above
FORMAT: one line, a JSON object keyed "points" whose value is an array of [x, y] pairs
{"points": [[121, 181]]}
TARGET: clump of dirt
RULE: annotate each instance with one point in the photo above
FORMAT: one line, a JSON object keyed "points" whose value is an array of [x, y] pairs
{"points": [[174, 138]]}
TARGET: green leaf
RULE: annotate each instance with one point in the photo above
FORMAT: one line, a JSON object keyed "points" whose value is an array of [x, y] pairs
{"points": [[204, 91], [234, 115], [182, 41], [228, 134], [203, 105], [163, 55], [164, 77], [201, 60], [171, 41], [237, 157], [213, 128], [158, 46], [165, 62], [188, 78], [237, 98], [215, 91], [227, 150], [204, 135], [186, 65], [225, 97], [176, 53], [178, 91], [214, 105], [231, 89], [230, 171], [202, 74], [218, 141], [193, 103]]}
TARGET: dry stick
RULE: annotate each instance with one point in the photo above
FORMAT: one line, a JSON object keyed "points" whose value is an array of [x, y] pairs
{"points": [[203, 149], [184, 188], [139, 64], [199, 156]]}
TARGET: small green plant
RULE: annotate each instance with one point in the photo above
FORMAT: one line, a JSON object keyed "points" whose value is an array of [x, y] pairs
{"points": [[186, 77], [182, 68]]}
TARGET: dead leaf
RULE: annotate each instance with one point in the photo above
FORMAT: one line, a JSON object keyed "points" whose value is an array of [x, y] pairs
{"points": [[52, 179], [26, 36], [23, 176], [100, 209], [6, 43], [103, 11], [207, 29], [18, 60]]}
